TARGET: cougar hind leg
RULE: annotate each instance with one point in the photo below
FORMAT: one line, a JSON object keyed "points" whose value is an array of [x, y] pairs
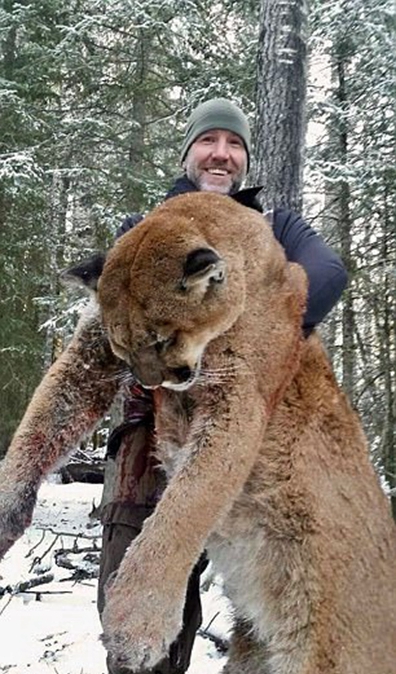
{"points": [[246, 655]]}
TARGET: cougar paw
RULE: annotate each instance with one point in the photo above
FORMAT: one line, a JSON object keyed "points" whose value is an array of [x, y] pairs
{"points": [[138, 633], [16, 511]]}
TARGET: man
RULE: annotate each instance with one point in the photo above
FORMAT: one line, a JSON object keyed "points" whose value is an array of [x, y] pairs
{"points": [[215, 157]]}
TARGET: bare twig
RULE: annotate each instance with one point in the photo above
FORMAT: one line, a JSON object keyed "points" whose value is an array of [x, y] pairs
{"points": [[7, 604], [74, 535], [222, 645], [211, 621], [37, 544], [40, 592], [38, 560]]}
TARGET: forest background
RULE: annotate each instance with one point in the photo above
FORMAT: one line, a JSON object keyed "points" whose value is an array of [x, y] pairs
{"points": [[94, 96]]}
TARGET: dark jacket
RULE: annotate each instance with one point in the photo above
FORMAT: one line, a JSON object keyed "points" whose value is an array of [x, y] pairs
{"points": [[326, 273]]}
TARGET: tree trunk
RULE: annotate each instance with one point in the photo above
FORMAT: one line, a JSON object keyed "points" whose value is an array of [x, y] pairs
{"points": [[345, 220], [386, 337], [280, 102], [135, 188]]}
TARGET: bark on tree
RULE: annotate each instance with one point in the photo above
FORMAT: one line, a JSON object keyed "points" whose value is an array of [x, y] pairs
{"points": [[386, 332], [345, 226], [280, 102], [135, 167]]}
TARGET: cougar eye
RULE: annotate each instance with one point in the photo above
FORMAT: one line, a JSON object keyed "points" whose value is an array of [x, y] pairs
{"points": [[164, 343]]}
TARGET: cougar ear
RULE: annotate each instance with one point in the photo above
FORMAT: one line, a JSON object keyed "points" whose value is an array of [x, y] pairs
{"points": [[85, 274], [202, 267]]}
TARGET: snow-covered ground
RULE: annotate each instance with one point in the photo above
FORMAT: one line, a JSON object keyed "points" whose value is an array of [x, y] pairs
{"points": [[54, 627]]}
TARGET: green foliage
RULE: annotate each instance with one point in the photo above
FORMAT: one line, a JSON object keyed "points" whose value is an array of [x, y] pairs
{"points": [[355, 164], [94, 95], [93, 98]]}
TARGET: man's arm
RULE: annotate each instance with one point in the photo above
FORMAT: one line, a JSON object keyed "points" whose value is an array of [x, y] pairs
{"points": [[129, 222], [327, 276]]}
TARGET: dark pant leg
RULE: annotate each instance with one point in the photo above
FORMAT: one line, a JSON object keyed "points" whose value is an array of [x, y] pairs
{"points": [[181, 649], [122, 522]]}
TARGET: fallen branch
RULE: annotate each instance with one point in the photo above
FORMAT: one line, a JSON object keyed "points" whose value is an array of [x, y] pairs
{"points": [[33, 582], [69, 533], [23, 586], [80, 572], [38, 593]]}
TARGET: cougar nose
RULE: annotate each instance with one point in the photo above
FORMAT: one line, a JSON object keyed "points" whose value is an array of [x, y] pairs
{"points": [[183, 374]]}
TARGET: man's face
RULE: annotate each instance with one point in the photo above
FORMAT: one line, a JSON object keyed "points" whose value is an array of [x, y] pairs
{"points": [[217, 162]]}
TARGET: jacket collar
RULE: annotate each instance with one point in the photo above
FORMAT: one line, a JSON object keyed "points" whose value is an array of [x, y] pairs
{"points": [[246, 197]]}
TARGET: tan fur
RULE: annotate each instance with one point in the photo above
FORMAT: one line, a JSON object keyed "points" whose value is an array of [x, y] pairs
{"points": [[74, 395], [268, 467]]}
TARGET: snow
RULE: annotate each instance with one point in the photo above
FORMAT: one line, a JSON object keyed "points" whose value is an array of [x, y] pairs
{"points": [[54, 628]]}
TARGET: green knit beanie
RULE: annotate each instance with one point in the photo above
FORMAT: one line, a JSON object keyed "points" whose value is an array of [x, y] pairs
{"points": [[218, 113]]}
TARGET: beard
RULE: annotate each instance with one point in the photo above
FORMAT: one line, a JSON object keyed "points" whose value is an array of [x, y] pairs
{"points": [[203, 181]]}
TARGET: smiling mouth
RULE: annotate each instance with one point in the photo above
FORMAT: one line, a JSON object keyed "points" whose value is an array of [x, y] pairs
{"points": [[217, 172]]}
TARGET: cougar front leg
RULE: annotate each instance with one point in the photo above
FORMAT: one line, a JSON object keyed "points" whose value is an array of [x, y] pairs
{"points": [[74, 394], [144, 606]]}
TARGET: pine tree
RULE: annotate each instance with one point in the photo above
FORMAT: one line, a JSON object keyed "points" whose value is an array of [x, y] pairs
{"points": [[94, 95], [356, 41]]}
